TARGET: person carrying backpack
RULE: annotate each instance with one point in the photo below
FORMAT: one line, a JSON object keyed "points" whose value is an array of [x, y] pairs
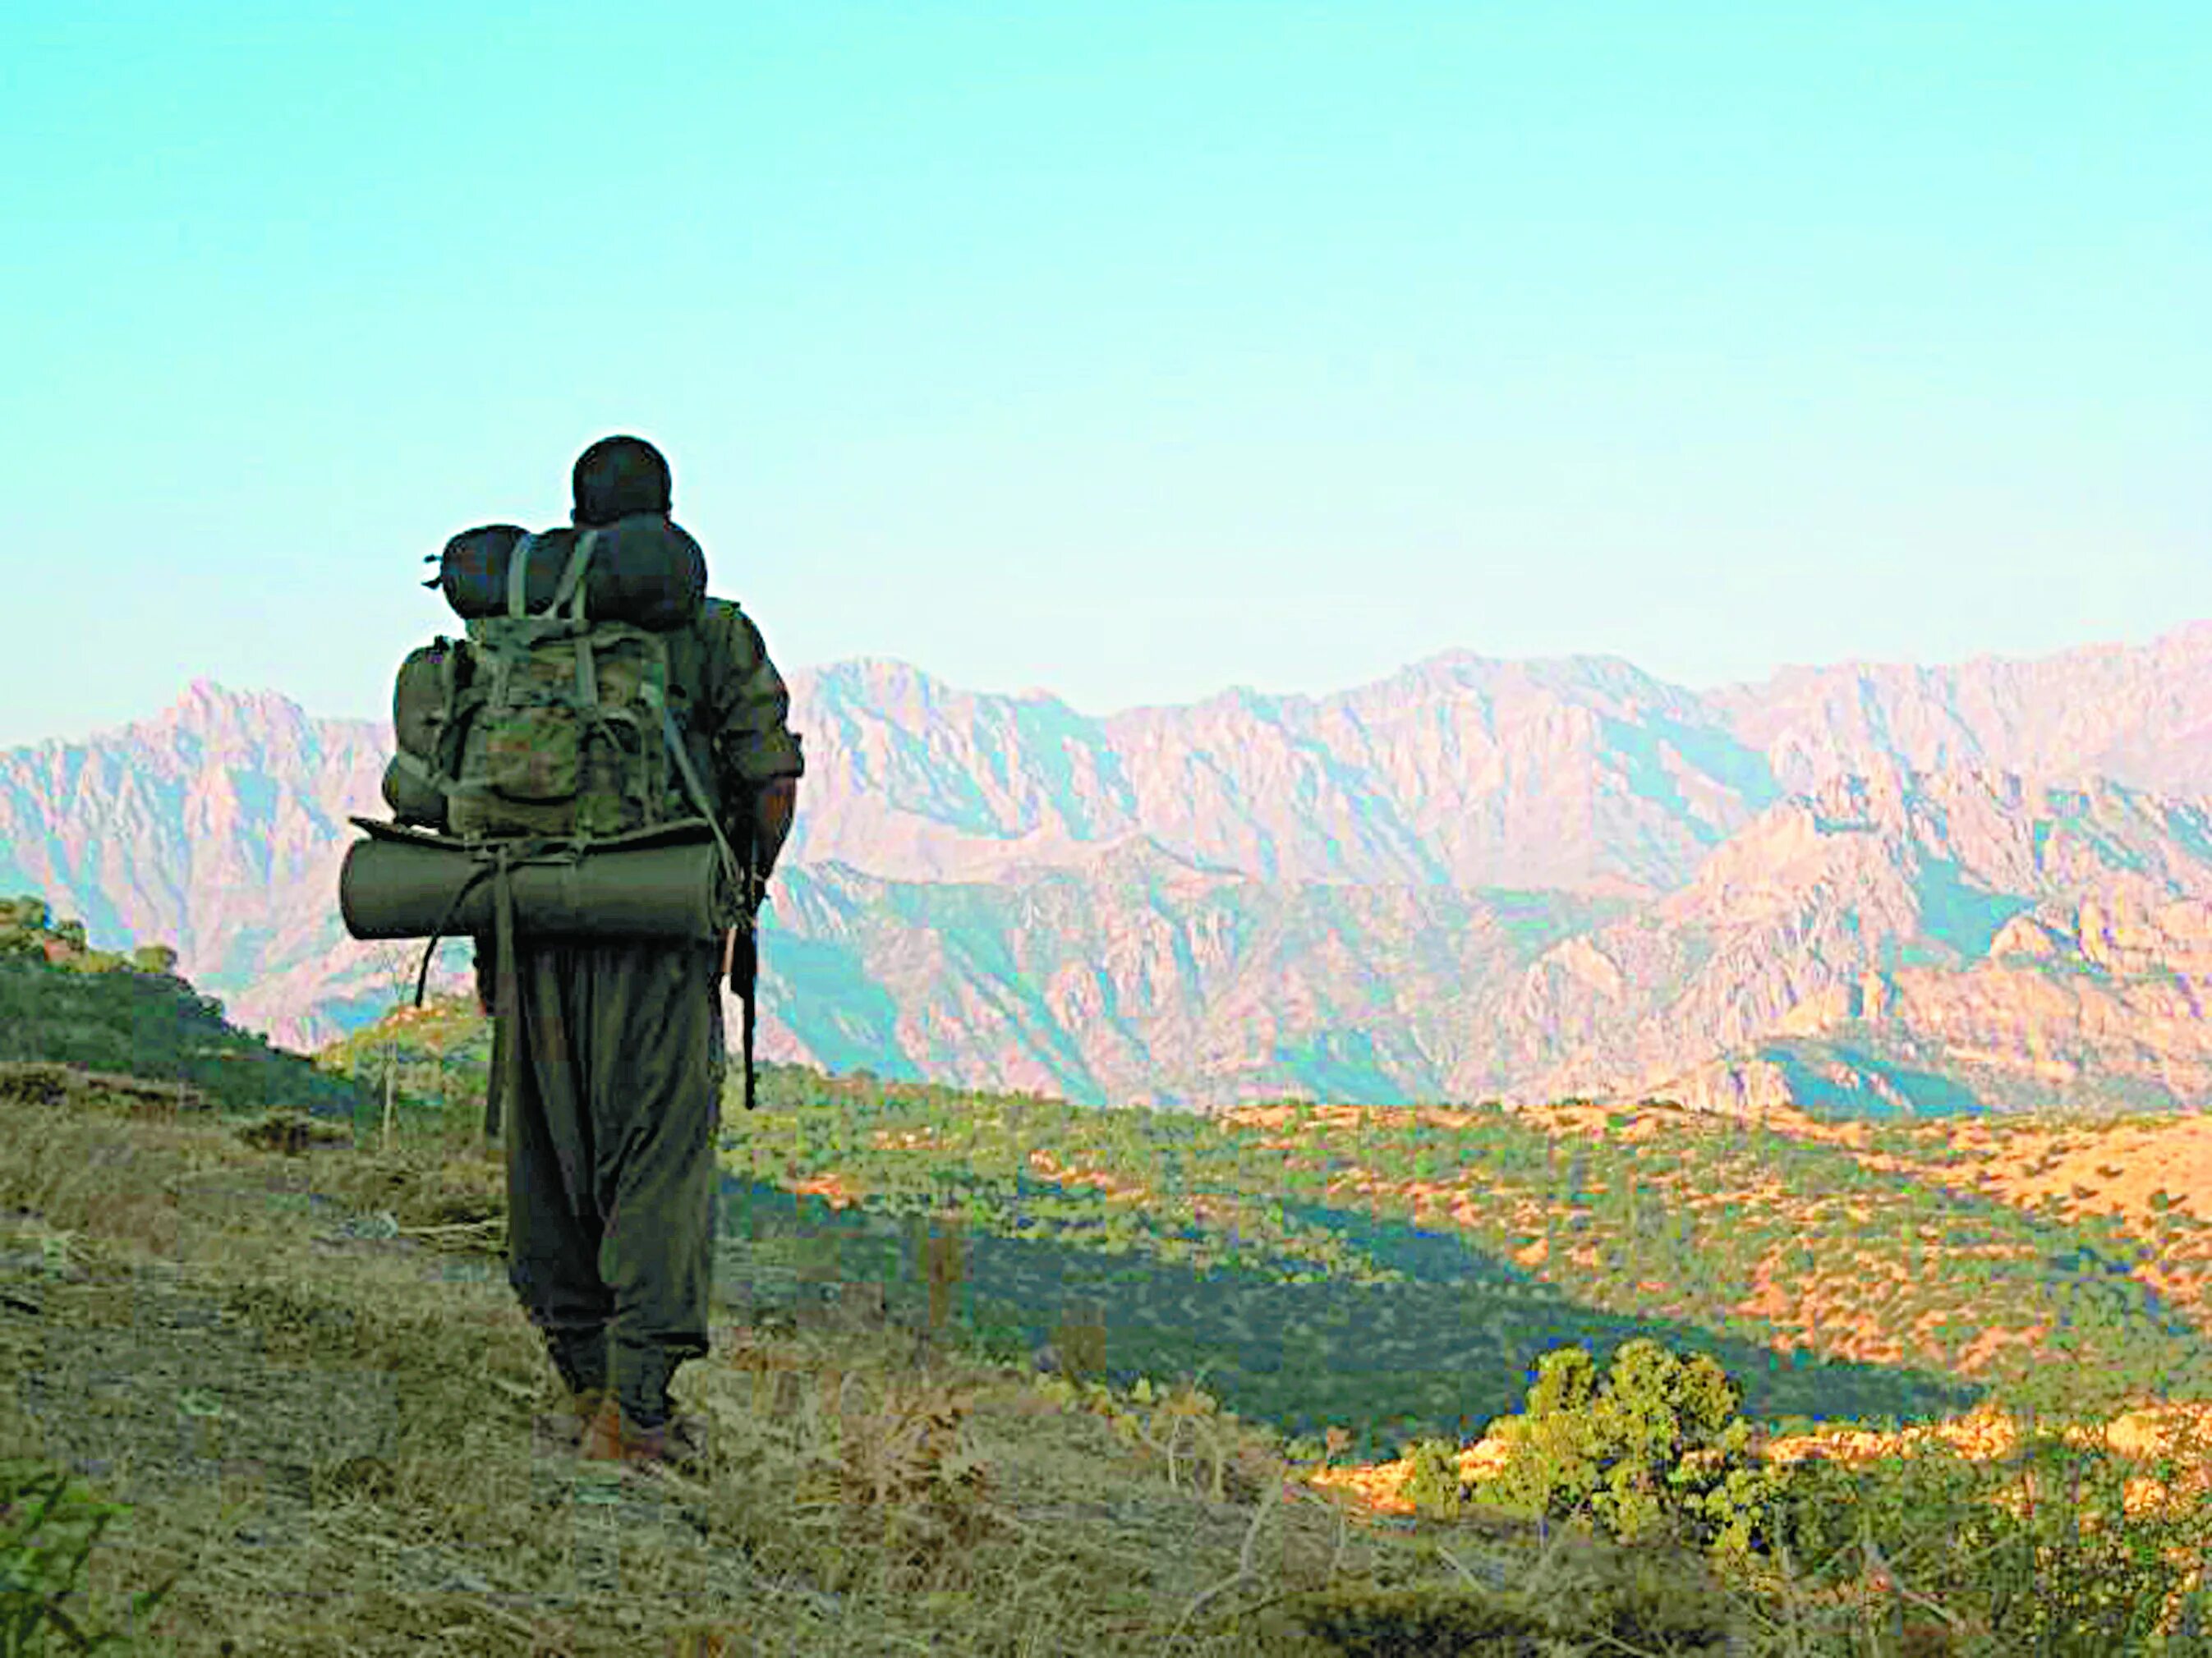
{"points": [[609, 1052]]}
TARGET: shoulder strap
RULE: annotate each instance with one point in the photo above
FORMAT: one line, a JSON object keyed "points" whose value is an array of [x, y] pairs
{"points": [[686, 667], [518, 576], [701, 801], [570, 591]]}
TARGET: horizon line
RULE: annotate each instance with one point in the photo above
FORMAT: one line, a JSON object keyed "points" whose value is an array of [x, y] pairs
{"points": [[1035, 694]]}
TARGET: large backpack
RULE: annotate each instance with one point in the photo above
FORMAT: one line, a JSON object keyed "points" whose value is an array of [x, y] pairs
{"points": [[544, 731], [550, 722]]}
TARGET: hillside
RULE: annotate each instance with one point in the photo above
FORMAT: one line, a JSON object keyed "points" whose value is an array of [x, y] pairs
{"points": [[63, 1002], [1842, 1271], [1415, 1260], [1111, 1364], [276, 1364]]}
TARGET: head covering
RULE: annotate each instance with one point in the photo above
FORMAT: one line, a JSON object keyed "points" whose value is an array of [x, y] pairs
{"points": [[617, 476]]}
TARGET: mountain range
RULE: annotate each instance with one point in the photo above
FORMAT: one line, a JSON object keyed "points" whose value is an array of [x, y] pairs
{"points": [[1860, 889]]}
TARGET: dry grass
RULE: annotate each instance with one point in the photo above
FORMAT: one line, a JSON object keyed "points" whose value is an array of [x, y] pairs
{"points": [[321, 1410], [301, 1365]]}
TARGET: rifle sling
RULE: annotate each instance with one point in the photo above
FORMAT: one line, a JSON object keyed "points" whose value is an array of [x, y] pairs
{"points": [[507, 999], [498, 867]]}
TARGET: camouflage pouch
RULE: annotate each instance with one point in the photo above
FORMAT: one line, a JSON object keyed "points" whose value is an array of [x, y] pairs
{"points": [[422, 698], [567, 738], [533, 755]]}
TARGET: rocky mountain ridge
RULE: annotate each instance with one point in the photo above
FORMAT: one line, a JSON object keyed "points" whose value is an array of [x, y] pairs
{"points": [[1890, 888]]}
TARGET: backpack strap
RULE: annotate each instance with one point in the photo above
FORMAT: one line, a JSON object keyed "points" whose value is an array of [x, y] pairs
{"points": [[701, 802], [507, 994], [421, 771], [518, 576], [460, 695], [497, 862], [570, 591]]}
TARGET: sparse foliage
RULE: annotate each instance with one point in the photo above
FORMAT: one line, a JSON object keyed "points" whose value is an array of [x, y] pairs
{"points": [[158, 959], [50, 1525]]}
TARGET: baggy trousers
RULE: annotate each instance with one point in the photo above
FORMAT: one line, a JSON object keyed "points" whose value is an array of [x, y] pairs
{"points": [[611, 1182]]}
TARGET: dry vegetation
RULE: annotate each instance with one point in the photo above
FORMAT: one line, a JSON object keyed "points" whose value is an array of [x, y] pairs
{"points": [[321, 1411], [300, 1364]]}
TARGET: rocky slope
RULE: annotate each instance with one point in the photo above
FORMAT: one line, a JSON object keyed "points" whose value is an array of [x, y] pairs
{"points": [[1878, 888], [1922, 920]]}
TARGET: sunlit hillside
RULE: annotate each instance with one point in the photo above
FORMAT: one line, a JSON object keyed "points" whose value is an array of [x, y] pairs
{"points": [[996, 1374], [1853, 1273]]}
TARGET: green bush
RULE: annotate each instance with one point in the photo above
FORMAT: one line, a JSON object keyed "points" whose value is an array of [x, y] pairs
{"points": [[29, 912], [1646, 1604], [2068, 1572], [138, 1024], [2073, 1572], [1656, 1450], [27, 927], [1432, 1480], [1360, 1621], [1829, 1512], [91, 961]]}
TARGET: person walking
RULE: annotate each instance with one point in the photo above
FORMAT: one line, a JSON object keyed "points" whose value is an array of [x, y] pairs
{"points": [[612, 1125]]}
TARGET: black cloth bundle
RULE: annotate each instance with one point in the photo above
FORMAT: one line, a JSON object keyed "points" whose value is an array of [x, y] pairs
{"points": [[645, 570]]}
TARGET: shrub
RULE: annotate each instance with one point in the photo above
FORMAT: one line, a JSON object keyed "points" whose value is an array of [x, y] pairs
{"points": [[1657, 1449], [29, 913], [2035, 1552], [1363, 1621], [91, 961], [1432, 1480], [1596, 1603]]}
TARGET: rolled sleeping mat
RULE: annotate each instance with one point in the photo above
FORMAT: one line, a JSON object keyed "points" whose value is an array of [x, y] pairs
{"points": [[662, 882]]}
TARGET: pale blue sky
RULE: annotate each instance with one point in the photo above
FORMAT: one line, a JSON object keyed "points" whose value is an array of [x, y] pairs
{"points": [[1130, 350]]}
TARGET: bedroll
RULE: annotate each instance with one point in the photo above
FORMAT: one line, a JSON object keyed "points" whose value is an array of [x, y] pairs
{"points": [[666, 882], [646, 571]]}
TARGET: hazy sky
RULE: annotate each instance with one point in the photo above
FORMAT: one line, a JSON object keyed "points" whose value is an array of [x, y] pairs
{"points": [[1128, 349]]}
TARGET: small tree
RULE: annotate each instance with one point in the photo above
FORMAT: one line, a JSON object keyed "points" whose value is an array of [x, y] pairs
{"points": [[1433, 1485], [1658, 1446], [392, 965]]}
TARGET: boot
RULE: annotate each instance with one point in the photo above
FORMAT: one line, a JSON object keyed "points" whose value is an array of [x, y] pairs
{"points": [[560, 1431], [580, 1357], [638, 1425], [678, 1442]]}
